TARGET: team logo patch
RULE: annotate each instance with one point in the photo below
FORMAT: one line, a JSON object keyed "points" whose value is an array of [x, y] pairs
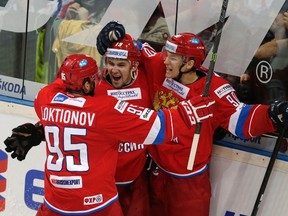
{"points": [[83, 63], [224, 90], [93, 199], [64, 99], [126, 94], [195, 41], [67, 182]]}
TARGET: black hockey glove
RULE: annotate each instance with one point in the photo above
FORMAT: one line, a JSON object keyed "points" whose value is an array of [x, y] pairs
{"points": [[23, 138], [278, 112], [112, 32]]}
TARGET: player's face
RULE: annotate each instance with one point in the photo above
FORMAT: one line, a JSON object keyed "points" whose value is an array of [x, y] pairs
{"points": [[119, 71], [173, 63]]}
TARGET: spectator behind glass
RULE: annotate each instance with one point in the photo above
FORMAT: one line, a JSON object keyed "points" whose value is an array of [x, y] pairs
{"points": [[273, 50], [80, 15], [156, 31]]}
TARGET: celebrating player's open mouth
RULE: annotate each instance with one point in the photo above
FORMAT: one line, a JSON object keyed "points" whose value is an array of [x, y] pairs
{"points": [[115, 78], [121, 72], [169, 73]]}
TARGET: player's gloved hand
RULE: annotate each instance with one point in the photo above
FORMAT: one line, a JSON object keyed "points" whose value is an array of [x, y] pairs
{"points": [[196, 109], [23, 138], [278, 112], [113, 31]]}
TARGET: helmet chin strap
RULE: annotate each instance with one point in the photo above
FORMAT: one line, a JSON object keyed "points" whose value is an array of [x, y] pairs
{"points": [[178, 78], [133, 74]]}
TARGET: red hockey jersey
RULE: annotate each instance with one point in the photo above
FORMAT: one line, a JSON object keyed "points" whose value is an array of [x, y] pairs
{"points": [[132, 156], [240, 119], [80, 164]]}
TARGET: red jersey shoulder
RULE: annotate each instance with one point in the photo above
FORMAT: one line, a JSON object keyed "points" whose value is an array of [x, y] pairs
{"points": [[100, 102], [49, 91], [220, 87]]}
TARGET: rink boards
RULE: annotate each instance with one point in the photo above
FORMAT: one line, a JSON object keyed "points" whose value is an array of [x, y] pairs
{"points": [[236, 173]]}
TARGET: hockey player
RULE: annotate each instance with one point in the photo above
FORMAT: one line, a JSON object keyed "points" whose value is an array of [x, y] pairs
{"points": [[175, 75], [125, 79], [82, 132]]}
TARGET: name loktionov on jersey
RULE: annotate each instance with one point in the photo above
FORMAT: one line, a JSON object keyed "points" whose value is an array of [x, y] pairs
{"points": [[68, 116]]}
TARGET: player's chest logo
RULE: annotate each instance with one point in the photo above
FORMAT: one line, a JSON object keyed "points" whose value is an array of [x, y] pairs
{"points": [[165, 100]]}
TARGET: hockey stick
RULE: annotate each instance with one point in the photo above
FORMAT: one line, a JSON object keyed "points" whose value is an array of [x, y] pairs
{"points": [[196, 137], [268, 171]]}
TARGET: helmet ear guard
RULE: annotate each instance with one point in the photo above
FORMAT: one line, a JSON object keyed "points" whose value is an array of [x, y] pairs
{"points": [[189, 45], [75, 69]]}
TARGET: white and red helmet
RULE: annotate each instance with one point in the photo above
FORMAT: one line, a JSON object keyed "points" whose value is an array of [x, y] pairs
{"points": [[125, 48], [188, 45], [75, 68]]}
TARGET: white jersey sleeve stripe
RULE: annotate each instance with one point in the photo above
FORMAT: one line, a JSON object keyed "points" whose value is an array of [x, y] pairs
{"points": [[156, 134], [238, 119], [233, 121], [251, 120]]}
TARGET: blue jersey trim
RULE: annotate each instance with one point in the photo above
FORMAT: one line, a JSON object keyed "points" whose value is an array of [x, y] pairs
{"points": [[78, 213], [241, 120], [3, 155], [161, 134], [189, 175]]}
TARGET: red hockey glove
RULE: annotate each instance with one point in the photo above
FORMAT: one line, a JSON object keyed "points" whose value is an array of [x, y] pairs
{"points": [[196, 109], [23, 138], [113, 31], [278, 112]]}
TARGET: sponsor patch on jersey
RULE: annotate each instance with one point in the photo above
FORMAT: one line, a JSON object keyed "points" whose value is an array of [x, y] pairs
{"points": [[93, 199], [67, 182], [126, 94], [121, 106], [176, 87], [224, 90], [146, 114], [61, 98]]}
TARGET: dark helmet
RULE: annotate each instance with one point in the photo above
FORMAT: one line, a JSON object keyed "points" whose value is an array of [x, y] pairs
{"points": [[75, 68]]}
